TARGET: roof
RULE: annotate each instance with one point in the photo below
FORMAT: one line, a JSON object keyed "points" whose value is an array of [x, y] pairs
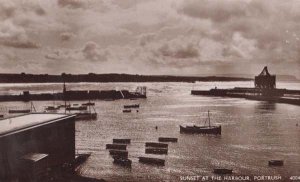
{"points": [[28, 121], [34, 157]]}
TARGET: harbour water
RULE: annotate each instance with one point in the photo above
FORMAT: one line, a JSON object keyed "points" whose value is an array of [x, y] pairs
{"points": [[253, 132]]}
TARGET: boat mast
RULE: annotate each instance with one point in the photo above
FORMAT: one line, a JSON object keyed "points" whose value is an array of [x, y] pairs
{"points": [[208, 119], [64, 96]]}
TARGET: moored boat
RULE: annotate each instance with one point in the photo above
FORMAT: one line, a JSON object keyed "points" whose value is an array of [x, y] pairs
{"points": [[275, 163], [76, 108], [210, 129], [88, 104], [13, 111], [86, 116], [116, 146], [167, 139], [126, 111], [148, 160], [121, 140], [156, 150], [122, 161], [157, 145], [132, 106], [119, 153], [52, 108]]}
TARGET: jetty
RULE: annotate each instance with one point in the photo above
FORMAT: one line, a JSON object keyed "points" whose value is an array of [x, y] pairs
{"points": [[264, 90], [72, 95]]}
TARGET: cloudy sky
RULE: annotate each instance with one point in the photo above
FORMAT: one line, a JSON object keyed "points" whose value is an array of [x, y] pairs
{"points": [[182, 37]]}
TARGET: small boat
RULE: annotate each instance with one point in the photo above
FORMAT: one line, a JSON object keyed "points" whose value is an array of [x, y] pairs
{"points": [[13, 111], [123, 141], [119, 153], [123, 162], [222, 171], [88, 104], [52, 108], [116, 146], [276, 163], [86, 116], [156, 145], [1, 116], [167, 139], [210, 129], [156, 151], [148, 160], [80, 158], [126, 111], [132, 106], [76, 108], [63, 105]]}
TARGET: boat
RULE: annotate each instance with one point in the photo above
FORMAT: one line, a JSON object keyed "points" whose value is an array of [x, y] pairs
{"points": [[148, 160], [122, 161], [88, 104], [210, 129], [156, 150], [132, 106], [156, 145], [80, 158], [276, 163], [1, 116], [86, 116], [52, 108], [116, 146], [123, 141], [167, 139], [14, 111], [126, 111], [76, 108], [89, 115], [119, 153], [222, 171]]}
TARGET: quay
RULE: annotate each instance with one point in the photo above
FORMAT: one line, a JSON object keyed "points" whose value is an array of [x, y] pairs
{"points": [[264, 90], [71, 95]]}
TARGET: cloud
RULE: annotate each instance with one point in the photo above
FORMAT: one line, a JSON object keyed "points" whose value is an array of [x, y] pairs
{"points": [[215, 10], [66, 36], [71, 3], [7, 9], [142, 36], [15, 36], [179, 51], [92, 52]]}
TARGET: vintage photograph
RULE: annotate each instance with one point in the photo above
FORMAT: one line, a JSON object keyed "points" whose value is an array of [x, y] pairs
{"points": [[149, 90]]}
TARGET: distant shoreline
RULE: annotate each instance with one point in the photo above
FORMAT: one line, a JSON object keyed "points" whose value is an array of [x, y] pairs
{"points": [[104, 78]]}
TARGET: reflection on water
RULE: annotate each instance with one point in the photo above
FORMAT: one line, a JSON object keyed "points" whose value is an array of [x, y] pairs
{"points": [[253, 132], [265, 107]]}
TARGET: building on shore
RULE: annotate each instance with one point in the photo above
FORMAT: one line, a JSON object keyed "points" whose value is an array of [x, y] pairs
{"points": [[265, 80], [34, 145]]}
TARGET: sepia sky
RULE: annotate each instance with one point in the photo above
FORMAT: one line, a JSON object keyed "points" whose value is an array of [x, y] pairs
{"points": [[181, 37]]}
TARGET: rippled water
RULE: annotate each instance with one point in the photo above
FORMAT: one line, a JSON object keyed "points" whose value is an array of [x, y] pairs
{"points": [[253, 132]]}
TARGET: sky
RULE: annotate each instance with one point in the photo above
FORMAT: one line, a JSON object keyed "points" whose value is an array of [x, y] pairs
{"points": [[165, 37]]}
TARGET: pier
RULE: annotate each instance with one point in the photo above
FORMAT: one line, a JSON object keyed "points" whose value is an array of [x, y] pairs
{"points": [[264, 90], [71, 95]]}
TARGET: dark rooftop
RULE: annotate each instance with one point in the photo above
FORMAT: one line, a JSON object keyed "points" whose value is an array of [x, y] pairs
{"points": [[27, 121]]}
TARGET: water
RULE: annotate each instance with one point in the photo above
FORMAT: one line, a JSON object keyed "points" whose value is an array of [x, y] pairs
{"points": [[253, 132]]}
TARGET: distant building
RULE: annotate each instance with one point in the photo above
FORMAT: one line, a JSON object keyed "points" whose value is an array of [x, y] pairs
{"points": [[265, 80], [32, 145]]}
